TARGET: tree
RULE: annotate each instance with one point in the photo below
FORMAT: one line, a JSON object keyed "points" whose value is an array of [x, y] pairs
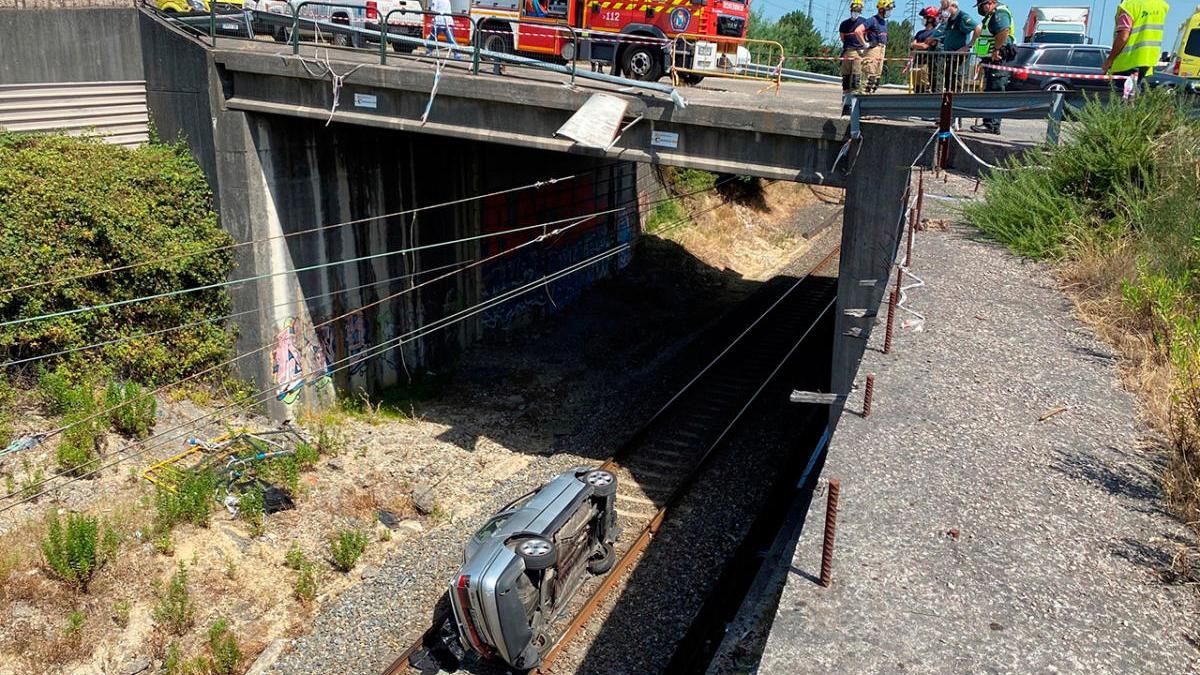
{"points": [[799, 37], [900, 35]]}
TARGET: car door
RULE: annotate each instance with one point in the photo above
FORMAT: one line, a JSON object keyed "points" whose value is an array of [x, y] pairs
{"points": [[1087, 61]]}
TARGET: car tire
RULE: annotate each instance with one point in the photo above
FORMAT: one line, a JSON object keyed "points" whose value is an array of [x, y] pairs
{"points": [[604, 563], [603, 483], [642, 62], [690, 79], [403, 47], [498, 41], [537, 553]]}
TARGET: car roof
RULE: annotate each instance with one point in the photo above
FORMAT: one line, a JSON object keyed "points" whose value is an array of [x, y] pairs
{"points": [[1059, 45]]}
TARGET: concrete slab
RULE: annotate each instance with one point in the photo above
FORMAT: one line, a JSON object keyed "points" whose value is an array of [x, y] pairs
{"points": [[973, 536]]}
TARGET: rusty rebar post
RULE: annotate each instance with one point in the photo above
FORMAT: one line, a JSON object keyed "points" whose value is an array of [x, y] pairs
{"points": [[899, 281], [920, 192], [835, 488], [912, 225], [891, 319], [868, 394]]}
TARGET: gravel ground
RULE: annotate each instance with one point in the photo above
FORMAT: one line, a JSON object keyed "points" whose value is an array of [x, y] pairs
{"points": [[973, 537], [548, 399]]}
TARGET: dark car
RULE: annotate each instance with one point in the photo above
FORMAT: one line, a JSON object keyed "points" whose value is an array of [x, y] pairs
{"points": [[1077, 69], [1074, 68]]}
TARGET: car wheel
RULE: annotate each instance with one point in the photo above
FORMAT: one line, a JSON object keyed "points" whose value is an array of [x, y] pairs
{"points": [[603, 482], [403, 47], [1055, 86], [497, 41], [538, 553], [280, 34], [642, 62], [604, 563], [690, 79]]}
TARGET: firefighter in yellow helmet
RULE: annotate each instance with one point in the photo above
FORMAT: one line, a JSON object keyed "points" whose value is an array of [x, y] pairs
{"points": [[877, 37], [854, 46]]}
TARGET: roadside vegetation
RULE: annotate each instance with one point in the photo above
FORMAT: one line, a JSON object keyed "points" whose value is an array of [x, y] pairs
{"points": [[1115, 206]]}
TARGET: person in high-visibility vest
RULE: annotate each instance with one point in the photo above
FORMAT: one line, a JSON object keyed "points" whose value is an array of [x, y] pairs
{"points": [[1137, 38], [854, 46], [877, 37], [993, 46]]}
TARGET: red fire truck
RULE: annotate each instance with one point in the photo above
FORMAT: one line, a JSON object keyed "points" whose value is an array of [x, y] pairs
{"points": [[634, 37]]}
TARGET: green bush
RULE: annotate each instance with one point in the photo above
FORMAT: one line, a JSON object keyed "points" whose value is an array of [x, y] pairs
{"points": [[131, 410], [306, 456], [223, 649], [192, 501], [75, 621], [250, 509], [76, 551], [148, 210], [346, 547], [60, 392], [175, 610], [294, 558], [306, 583], [283, 471]]}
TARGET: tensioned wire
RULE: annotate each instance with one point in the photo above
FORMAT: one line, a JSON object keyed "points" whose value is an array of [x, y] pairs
{"points": [[355, 359], [110, 342], [298, 270], [319, 228], [544, 235]]}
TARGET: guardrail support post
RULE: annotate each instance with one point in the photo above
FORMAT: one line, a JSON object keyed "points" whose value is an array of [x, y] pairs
{"points": [[945, 119]]}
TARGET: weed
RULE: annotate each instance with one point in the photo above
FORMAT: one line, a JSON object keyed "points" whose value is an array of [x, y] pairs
{"points": [[10, 484], [283, 471], [294, 558], [175, 610], [121, 611], [164, 543], [231, 569], [132, 411], [34, 477], [76, 451], [75, 621], [346, 547], [251, 510], [665, 214], [191, 502], [75, 553], [223, 649], [385, 534], [60, 393], [305, 587], [306, 456]]}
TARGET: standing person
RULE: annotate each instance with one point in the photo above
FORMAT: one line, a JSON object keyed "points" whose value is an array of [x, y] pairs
{"points": [[877, 35], [954, 36], [443, 25], [1137, 38], [854, 45], [924, 41], [994, 46]]}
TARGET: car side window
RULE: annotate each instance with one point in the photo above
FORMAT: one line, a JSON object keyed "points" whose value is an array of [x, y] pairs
{"points": [[1054, 57], [492, 526], [1086, 58]]}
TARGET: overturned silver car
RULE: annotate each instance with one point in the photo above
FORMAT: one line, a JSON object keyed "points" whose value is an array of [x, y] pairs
{"points": [[527, 561]]}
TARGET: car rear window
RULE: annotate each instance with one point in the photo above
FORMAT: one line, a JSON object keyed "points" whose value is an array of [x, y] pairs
{"points": [[1086, 58], [1054, 57], [1192, 48], [1024, 56]]}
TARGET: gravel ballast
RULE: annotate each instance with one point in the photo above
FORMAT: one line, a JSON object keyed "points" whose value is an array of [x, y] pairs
{"points": [[974, 535]]}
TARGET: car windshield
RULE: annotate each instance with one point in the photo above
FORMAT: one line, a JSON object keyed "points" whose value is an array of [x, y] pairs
{"points": [[1061, 38], [1192, 46]]}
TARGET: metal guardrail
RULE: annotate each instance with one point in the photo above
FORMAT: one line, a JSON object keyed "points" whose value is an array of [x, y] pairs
{"points": [[791, 74], [1001, 105]]}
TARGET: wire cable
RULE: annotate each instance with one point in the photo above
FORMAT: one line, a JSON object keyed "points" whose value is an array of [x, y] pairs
{"points": [[404, 251], [234, 408]]}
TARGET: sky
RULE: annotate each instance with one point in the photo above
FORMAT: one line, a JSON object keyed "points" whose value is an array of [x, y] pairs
{"points": [[1100, 24]]}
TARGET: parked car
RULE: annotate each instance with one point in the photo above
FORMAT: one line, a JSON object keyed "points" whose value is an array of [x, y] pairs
{"points": [[1074, 68], [522, 567]]}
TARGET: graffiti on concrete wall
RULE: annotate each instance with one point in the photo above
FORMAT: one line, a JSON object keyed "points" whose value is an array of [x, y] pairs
{"points": [[287, 364], [356, 342]]}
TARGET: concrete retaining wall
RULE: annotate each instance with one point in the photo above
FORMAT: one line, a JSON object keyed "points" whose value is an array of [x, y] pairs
{"points": [[70, 45]]}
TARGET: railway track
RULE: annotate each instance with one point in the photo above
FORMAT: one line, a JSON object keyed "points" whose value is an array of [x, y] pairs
{"points": [[658, 463]]}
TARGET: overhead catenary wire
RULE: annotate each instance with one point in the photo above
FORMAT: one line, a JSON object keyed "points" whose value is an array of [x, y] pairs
{"points": [[269, 275], [56, 280], [352, 360], [252, 401], [403, 251]]}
